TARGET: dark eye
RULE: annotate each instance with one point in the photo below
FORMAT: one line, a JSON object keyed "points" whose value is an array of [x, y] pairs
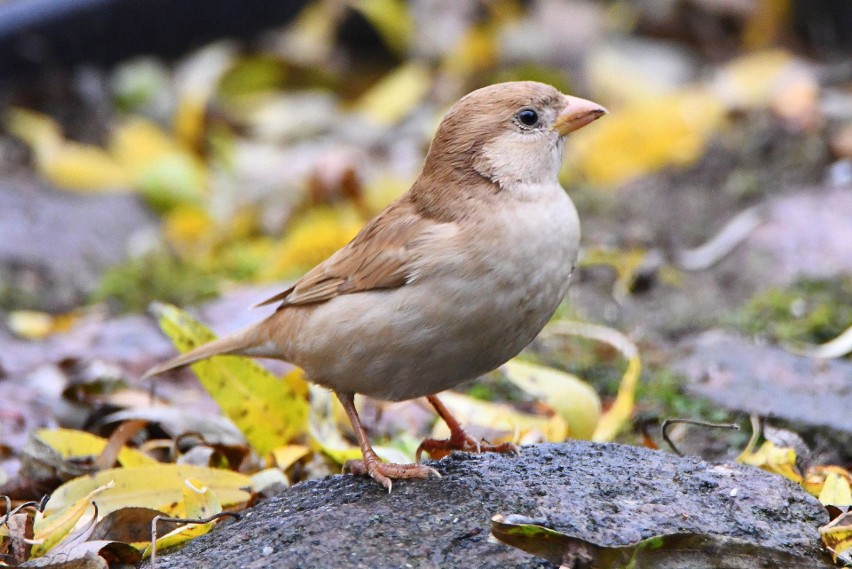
{"points": [[528, 117]]}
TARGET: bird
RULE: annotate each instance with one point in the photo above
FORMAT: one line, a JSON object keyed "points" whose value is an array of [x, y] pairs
{"points": [[448, 282]]}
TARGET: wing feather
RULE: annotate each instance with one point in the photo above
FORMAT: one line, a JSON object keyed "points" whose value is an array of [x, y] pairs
{"points": [[386, 253]]}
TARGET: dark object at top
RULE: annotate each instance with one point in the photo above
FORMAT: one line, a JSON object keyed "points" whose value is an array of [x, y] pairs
{"points": [[35, 34]]}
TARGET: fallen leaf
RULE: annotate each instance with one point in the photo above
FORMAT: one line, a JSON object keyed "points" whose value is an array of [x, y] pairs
{"points": [[575, 400], [672, 551], [619, 413], [89, 555], [836, 491], [392, 20], [158, 487], [34, 325], [837, 537], [508, 424], [130, 525], [392, 98], [324, 429], [311, 239], [198, 502], [780, 460], [70, 443], [816, 476], [645, 136], [288, 455], [269, 411], [52, 526], [748, 81]]}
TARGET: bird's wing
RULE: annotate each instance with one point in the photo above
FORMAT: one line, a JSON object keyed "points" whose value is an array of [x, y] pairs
{"points": [[386, 253]]}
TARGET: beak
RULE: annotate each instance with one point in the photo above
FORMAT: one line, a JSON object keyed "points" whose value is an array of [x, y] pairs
{"points": [[577, 113]]}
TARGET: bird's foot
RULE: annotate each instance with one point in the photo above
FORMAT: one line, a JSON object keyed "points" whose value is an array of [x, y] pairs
{"points": [[385, 472], [463, 441]]}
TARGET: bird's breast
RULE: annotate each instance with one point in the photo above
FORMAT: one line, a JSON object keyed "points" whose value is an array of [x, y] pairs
{"points": [[479, 307]]}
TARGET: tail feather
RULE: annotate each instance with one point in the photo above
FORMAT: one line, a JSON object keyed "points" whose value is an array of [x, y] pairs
{"points": [[234, 344]]}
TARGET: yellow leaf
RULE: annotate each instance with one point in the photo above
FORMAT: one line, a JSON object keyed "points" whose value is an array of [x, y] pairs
{"points": [[476, 51], [568, 395], [326, 436], [69, 165], [189, 230], [159, 487], [780, 460], [514, 425], [198, 502], [837, 535], [836, 491], [749, 81], [619, 413], [70, 443], [645, 136], [312, 239], [37, 130], [49, 527], [392, 98], [267, 410], [34, 325], [137, 142], [195, 81], [392, 20], [84, 168], [288, 455], [816, 476], [173, 179], [765, 23]]}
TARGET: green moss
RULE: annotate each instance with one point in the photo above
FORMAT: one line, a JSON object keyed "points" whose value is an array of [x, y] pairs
{"points": [[812, 311], [662, 395], [133, 285]]}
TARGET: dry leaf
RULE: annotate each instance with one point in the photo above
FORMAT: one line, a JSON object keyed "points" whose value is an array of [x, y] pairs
{"points": [[269, 411], [645, 136], [575, 400], [619, 413]]}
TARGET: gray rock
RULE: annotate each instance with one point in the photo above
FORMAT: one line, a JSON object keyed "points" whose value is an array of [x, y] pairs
{"points": [[811, 396], [609, 493], [55, 245]]}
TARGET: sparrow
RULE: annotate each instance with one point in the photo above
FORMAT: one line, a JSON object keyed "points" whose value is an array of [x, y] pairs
{"points": [[450, 281]]}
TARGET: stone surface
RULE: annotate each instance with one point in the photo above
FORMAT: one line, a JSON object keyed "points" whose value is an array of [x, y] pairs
{"points": [[56, 245], [613, 494], [813, 396]]}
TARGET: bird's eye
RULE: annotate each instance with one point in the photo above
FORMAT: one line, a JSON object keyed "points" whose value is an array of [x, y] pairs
{"points": [[528, 117]]}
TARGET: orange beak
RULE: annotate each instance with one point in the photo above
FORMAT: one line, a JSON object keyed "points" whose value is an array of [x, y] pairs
{"points": [[577, 113]]}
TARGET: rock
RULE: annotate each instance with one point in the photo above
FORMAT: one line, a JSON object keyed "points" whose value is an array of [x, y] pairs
{"points": [[807, 234], [55, 245], [610, 493], [813, 397]]}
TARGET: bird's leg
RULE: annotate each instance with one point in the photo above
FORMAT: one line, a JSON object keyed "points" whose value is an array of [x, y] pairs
{"points": [[459, 438], [381, 472]]}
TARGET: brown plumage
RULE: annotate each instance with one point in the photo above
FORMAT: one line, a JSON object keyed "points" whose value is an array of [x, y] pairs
{"points": [[449, 281]]}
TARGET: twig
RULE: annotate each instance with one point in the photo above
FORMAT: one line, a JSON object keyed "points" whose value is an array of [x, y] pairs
{"points": [[664, 428]]}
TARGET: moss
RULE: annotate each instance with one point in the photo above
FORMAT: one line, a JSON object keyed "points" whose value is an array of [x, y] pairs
{"points": [[662, 395], [813, 311], [133, 285]]}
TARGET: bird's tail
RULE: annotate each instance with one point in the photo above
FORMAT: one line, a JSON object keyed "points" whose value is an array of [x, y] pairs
{"points": [[234, 344]]}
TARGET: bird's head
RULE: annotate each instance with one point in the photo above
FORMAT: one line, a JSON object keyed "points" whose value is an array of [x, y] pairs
{"points": [[511, 134]]}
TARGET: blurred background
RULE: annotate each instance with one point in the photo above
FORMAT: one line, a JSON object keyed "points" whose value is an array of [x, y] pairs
{"points": [[185, 151]]}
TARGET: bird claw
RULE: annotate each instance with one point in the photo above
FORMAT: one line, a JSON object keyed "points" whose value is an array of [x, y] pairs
{"points": [[439, 448], [385, 472]]}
